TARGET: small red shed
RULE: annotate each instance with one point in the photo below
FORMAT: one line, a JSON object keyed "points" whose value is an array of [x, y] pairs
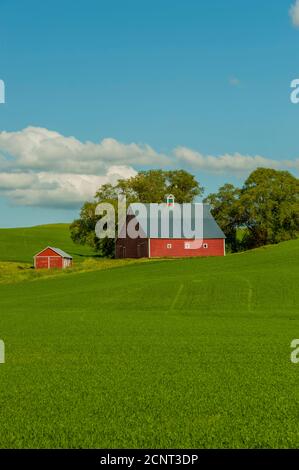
{"points": [[52, 258]]}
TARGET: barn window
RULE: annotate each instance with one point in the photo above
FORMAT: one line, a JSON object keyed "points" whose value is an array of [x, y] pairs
{"points": [[169, 245], [205, 245], [187, 246]]}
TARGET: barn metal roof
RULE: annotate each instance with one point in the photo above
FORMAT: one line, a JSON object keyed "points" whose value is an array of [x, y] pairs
{"points": [[58, 251], [210, 227]]}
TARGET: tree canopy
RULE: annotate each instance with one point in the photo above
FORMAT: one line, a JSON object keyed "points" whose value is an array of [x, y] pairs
{"points": [[153, 186], [265, 209], [270, 206]]}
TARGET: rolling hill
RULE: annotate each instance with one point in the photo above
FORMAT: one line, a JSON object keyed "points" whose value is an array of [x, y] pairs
{"points": [[181, 353], [21, 244]]}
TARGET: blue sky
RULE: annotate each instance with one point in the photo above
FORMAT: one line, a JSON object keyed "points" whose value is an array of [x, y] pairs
{"points": [[192, 83]]}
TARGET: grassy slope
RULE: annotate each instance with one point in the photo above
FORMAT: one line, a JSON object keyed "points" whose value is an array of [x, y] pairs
{"points": [[18, 245], [185, 353], [21, 244]]}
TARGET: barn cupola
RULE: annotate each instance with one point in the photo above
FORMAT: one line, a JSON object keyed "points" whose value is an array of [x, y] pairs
{"points": [[170, 200]]}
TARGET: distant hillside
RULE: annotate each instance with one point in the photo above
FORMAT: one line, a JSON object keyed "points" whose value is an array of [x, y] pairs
{"points": [[21, 244]]}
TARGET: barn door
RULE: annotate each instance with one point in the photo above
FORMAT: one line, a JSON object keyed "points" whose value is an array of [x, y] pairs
{"points": [[144, 250], [141, 250]]}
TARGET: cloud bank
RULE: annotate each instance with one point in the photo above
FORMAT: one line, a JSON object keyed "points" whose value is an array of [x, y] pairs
{"points": [[236, 163], [40, 167], [44, 168]]}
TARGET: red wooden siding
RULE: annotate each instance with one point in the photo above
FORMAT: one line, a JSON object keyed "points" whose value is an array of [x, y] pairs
{"points": [[56, 261], [42, 262], [48, 252], [158, 248]]}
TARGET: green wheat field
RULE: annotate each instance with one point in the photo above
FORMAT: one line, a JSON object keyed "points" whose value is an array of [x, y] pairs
{"points": [[151, 354]]}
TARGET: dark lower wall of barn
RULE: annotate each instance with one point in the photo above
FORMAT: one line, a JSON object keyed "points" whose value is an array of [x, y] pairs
{"points": [[178, 248], [131, 248]]}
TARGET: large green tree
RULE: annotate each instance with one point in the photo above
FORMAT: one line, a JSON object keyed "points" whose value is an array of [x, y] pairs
{"points": [[227, 211], [265, 210], [270, 207]]}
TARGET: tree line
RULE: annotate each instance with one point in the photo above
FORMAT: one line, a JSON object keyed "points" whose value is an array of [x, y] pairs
{"points": [[265, 210]]}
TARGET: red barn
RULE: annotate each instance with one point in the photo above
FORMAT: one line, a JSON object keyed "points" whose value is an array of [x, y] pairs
{"points": [[153, 244], [52, 258]]}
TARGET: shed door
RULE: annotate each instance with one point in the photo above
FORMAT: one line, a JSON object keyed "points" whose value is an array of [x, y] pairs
{"points": [[55, 262], [42, 262]]}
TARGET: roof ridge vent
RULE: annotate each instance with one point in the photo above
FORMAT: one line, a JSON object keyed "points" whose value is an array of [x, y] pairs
{"points": [[170, 200]]}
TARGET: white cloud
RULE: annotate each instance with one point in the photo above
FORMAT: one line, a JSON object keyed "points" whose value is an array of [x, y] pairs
{"points": [[41, 149], [64, 190], [234, 81], [294, 13], [236, 163], [56, 190], [43, 167], [39, 167], [16, 180]]}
